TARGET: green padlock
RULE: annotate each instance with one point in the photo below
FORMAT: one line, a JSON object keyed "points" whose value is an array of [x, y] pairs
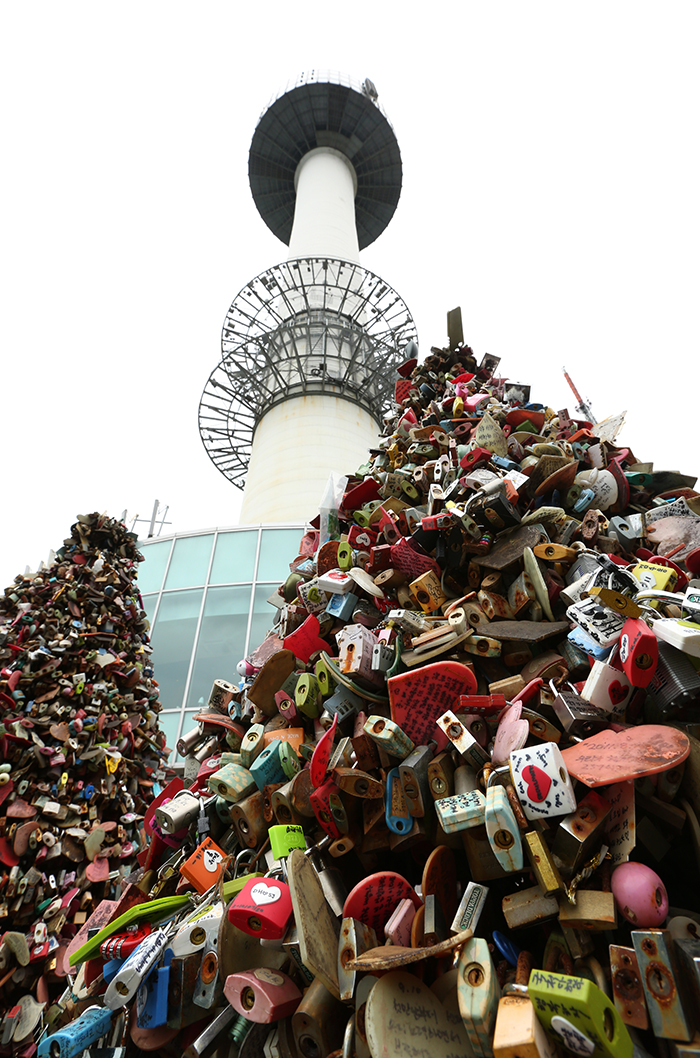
{"points": [[284, 838], [252, 745], [307, 696], [344, 557], [579, 1016], [289, 761]]}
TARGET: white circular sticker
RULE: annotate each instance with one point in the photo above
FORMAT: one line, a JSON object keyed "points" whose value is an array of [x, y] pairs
{"points": [[572, 1037], [271, 978], [211, 858]]}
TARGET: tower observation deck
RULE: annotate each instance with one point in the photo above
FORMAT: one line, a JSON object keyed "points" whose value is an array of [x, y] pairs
{"points": [[309, 347]]}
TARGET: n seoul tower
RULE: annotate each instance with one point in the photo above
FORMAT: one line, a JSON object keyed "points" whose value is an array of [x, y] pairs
{"points": [[310, 346]]}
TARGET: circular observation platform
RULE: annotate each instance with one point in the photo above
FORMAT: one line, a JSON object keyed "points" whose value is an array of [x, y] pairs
{"points": [[325, 110], [307, 326]]}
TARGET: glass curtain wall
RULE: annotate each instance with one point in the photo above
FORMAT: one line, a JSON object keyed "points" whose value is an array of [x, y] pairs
{"points": [[206, 598]]}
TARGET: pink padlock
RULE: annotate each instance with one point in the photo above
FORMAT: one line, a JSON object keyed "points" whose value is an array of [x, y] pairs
{"points": [[262, 995], [640, 895], [262, 908], [398, 929]]}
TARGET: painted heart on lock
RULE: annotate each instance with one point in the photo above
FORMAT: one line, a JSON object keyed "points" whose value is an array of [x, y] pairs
{"points": [[262, 894], [617, 692], [537, 782]]}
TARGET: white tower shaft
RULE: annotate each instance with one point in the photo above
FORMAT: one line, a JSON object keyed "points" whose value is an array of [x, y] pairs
{"points": [[324, 212], [300, 442]]}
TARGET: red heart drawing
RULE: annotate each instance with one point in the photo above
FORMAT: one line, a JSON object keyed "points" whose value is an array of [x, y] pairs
{"points": [[537, 782], [617, 692], [613, 756]]}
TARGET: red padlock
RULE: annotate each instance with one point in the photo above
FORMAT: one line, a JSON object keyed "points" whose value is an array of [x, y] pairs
{"points": [[476, 457], [329, 809], [262, 908], [638, 652]]}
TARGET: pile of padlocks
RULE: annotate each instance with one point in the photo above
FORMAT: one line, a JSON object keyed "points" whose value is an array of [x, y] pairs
{"points": [[452, 807], [80, 750]]}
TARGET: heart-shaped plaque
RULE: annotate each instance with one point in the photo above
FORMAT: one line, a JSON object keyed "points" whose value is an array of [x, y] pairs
{"points": [[614, 756], [262, 894]]}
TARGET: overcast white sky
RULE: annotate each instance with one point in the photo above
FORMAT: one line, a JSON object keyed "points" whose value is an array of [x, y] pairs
{"points": [[551, 179]]}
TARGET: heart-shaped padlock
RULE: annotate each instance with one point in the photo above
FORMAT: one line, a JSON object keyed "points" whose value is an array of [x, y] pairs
{"points": [[262, 908]]}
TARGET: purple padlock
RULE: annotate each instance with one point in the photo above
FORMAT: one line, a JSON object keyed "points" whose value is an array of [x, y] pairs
{"points": [[640, 895]]}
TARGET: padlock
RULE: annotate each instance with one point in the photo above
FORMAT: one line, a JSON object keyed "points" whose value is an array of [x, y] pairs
{"points": [[542, 863], [461, 739], [262, 908], [608, 689], [247, 817], [233, 782], [580, 832], [470, 908], [478, 993], [413, 772], [389, 736], [123, 987], [329, 809], [318, 1022], [441, 776], [397, 814], [71, 1040], [602, 625], [271, 766], [592, 910], [577, 716], [578, 1015], [284, 838], [204, 866], [668, 994], [502, 829], [461, 811], [541, 781], [262, 995], [518, 1031], [427, 592], [639, 652], [627, 991], [252, 745]]}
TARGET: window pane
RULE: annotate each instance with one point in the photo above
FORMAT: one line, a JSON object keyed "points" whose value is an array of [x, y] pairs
{"points": [[234, 558], [172, 640], [151, 570], [277, 549], [169, 722], [221, 641], [149, 605], [190, 561], [263, 615]]}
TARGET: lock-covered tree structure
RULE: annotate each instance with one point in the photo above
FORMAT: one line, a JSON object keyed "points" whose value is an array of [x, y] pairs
{"points": [[309, 347]]}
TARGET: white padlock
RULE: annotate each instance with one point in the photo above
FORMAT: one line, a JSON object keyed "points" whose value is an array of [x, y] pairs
{"points": [[607, 688], [541, 781]]}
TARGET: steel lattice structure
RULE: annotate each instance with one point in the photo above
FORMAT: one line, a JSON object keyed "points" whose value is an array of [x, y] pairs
{"points": [[314, 325]]}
